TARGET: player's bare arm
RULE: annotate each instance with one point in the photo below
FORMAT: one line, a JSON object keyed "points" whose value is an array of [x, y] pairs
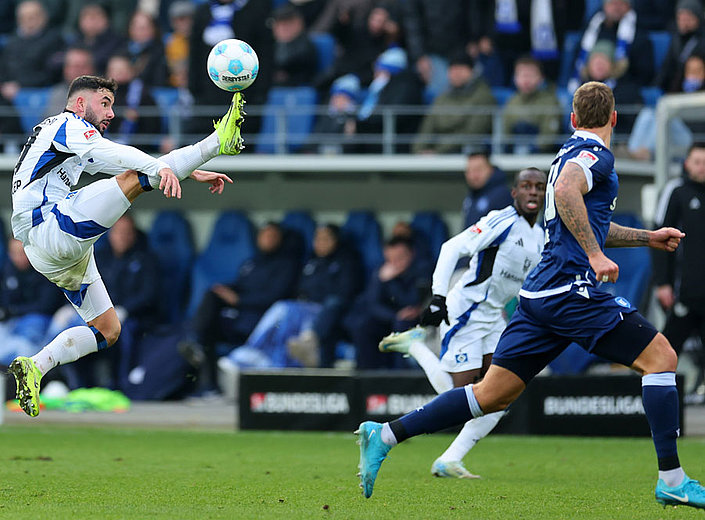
{"points": [[665, 239], [570, 187], [216, 180]]}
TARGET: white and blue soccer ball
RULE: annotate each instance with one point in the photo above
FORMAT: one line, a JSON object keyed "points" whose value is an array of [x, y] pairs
{"points": [[232, 65]]}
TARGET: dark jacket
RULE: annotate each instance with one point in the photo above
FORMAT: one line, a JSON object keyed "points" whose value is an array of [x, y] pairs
{"points": [[102, 48], [685, 210], [670, 75], [295, 62], [382, 300], [435, 27], [133, 95], [149, 61], [26, 292], [335, 275], [34, 61], [493, 195], [264, 279]]}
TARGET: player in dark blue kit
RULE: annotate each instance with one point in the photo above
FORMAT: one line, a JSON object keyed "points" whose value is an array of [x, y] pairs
{"points": [[561, 301]]}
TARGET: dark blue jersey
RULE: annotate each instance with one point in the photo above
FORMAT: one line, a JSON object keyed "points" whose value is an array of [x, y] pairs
{"points": [[563, 260]]}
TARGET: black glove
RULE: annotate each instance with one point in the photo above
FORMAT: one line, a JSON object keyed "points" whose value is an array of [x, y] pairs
{"points": [[435, 313]]}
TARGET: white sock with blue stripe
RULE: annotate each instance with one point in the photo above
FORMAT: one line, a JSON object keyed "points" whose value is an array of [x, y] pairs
{"points": [[184, 160], [67, 347]]}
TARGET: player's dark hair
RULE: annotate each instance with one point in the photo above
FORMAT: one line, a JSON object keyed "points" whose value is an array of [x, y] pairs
{"points": [[481, 154], [528, 59], [696, 146], [530, 169], [593, 104], [93, 83]]}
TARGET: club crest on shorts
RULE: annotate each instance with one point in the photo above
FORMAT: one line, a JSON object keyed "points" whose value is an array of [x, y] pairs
{"points": [[623, 302], [461, 358]]}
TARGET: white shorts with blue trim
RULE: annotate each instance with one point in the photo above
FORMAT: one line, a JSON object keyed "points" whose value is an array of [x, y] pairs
{"points": [[60, 246], [464, 345]]}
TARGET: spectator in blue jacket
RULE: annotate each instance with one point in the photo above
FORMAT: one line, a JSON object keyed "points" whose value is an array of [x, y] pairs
{"points": [[27, 301], [391, 302], [487, 188], [229, 313]]}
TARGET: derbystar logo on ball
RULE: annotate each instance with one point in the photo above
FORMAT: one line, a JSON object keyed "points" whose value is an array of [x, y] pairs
{"points": [[232, 65]]}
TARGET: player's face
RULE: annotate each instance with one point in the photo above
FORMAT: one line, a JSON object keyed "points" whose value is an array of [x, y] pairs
{"points": [[529, 192], [99, 109], [695, 165]]}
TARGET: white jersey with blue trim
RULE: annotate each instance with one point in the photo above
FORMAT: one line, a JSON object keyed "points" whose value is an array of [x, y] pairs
{"points": [[504, 248], [52, 160], [564, 262]]}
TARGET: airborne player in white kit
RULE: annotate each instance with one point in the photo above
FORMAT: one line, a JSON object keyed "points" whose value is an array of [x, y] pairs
{"points": [[58, 227], [505, 245]]}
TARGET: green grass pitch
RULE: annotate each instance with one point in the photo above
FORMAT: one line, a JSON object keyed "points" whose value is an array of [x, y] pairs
{"points": [[79, 473]]}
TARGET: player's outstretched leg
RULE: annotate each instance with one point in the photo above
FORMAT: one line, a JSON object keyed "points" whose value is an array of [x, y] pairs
{"points": [[373, 451], [401, 341], [228, 128], [28, 377]]}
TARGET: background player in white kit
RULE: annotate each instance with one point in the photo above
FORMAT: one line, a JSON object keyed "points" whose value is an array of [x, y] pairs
{"points": [[505, 245], [58, 227]]}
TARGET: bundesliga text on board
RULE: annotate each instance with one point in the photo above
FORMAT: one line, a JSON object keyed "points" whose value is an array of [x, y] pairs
{"points": [[300, 402]]}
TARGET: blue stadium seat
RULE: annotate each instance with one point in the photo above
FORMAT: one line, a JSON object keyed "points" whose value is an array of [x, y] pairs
{"points": [[301, 223], [571, 43], [566, 101], [325, 48], [591, 7], [292, 107], [171, 240], [431, 227], [166, 99], [232, 242], [650, 95], [30, 104], [363, 232], [502, 94], [660, 41]]}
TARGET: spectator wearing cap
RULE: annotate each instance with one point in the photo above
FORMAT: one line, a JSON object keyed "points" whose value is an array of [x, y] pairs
{"points": [[533, 114], [337, 126], [451, 124], [295, 56], [393, 84], [176, 45], [96, 35], [687, 38]]}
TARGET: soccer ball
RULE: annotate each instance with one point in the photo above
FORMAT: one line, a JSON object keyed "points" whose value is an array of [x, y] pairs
{"points": [[232, 65]]}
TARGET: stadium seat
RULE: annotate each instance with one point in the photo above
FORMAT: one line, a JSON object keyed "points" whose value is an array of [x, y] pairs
{"points": [[166, 98], [362, 232], [289, 115], [502, 94], [660, 41], [591, 7], [302, 224], [566, 101], [431, 227], [571, 42], [325, 48], [650, 95], [171, 241], [232, 242], [30, 104]]}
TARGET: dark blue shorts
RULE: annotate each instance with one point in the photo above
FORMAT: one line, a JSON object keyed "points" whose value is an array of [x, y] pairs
{"points": [[542, 328]]}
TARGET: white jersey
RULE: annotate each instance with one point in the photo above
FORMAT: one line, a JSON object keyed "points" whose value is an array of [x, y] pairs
{"points": [[504, 249], [58, 151]]}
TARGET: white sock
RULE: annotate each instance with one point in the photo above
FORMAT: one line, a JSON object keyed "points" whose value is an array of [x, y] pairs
{"points": [[68, 346], [472, 432], [440, 380], [388, 435], [672, 477], [184, 160]]}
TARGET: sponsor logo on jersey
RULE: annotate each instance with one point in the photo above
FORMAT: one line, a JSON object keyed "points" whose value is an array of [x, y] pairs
{"points": [[527, 264], [511, 276], [90, 133], [587, 158], [622, 302], [519, 242], [475, 229]]}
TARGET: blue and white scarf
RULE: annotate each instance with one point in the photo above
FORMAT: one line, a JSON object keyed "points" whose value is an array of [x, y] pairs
{"points": [[221, 24]]}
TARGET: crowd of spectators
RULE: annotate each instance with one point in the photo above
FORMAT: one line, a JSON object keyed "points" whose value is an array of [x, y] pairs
{"points": [[446, 57]]}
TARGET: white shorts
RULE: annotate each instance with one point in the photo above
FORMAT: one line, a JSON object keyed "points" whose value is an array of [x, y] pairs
{"points": [[61, 247], [463, 346]]}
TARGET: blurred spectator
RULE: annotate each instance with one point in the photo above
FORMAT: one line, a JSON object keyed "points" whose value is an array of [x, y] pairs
{"points": [[391, 302], [230, 312], [642, 141], [680, 278], [602, 67], [303, 332], [146, 50], [435, 30], [654, 15], [687, 38], [131, 96], [534, 112], [78, 61], [487, 188], [215, 21], [7, 17], [295, 56], [309, 9], [96, 34], [451, 120], [424, 262], [393, 84], [32, 56], [342, 18], [633, 54], [27, 301], [177, 42], [119, 13], [334, 128]]}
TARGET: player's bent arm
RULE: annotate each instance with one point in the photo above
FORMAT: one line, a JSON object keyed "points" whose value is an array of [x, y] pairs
{"points": [[570, 187], [116, 158], [621, 236]]}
